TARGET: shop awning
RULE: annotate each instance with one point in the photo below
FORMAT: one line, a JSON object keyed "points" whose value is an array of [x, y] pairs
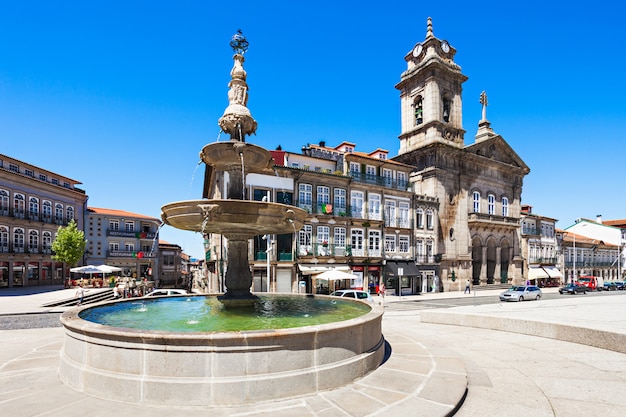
{"points": [[553, 272], [311, 269], [536, 272], [407, 268]]}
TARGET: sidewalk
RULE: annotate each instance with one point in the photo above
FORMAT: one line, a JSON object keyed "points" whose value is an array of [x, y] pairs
{"points": [[506, 373]]}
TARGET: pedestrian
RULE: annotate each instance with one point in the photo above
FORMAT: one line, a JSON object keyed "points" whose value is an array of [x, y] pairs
{"points": [[467, 287], [116, 291], [80, 294]]}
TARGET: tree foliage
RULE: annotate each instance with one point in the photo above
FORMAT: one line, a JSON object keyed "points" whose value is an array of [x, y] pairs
{"points": [[69, 245]]}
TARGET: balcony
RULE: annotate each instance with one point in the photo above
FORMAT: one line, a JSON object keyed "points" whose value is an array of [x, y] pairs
{"points": [[478, 219], [379, 181]]}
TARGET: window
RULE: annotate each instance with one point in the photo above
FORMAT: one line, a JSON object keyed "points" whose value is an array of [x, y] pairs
{"points": [[33, 241], [390, 213], [505, 207], [387, 177], [43, 177], [370, 172], [374, 243], [304, 240], [403, 244], [323, 234], [356, 239], [357, 204], [129, 247], [129, 226], [419, 110], [114, 246], [476, 201], [19, 205], [419, 218], [33, 207], [340, 202], [4, 239], [323, 200], [355, 169], [446, 109], [14, 168], [114, 224], [430, 220], [429, 250], [55, 181], [305, 197], [46, 241], [70, 213], [374, 207], [491, 204], [58, 212], [18, 240], [419, 250], [340, 240], [401, 178], [46, 210], [4, 201], [403, 215], [390, 243], [284, 197], [29, 172]]}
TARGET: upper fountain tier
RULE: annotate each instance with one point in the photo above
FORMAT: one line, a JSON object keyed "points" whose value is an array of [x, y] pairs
{"points": [[237, 120]]}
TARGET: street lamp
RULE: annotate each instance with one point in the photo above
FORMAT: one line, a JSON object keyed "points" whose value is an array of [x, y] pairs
{"points": [[268, 253]]}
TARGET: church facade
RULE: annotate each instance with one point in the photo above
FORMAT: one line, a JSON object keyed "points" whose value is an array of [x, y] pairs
{"points": [[478, 185]]}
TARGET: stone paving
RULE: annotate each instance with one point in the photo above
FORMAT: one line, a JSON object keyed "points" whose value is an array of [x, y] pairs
{"points": [[427, 374]]}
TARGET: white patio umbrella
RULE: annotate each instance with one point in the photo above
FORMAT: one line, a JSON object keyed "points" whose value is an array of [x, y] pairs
{"points": [[334, 275], [108, 269], [87, 269]]}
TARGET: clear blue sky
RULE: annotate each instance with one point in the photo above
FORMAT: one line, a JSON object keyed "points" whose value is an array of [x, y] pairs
{"points": [[122, 95]]}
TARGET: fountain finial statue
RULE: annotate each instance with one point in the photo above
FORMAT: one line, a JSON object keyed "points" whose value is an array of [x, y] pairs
{"points": [[237, 120]]}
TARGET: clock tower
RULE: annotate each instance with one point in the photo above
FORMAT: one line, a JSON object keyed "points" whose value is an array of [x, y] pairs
{"points": [[430, 95], [477, 186]]}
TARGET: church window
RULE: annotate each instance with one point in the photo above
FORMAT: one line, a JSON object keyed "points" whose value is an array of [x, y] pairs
{"points": [[419, 111], [491, 204], [446, 109], [476, 201], [505, 207]]}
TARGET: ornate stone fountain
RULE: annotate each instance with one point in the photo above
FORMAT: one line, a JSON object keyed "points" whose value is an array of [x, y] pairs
{"points": [[198, 368], [235, 217]]}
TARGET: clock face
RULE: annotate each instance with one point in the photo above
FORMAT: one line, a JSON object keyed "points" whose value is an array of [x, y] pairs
{"points": [[445, 47], [417, 50]]}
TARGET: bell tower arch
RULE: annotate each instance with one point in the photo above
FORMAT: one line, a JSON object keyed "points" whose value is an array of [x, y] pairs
{"points": [[430, 95]]}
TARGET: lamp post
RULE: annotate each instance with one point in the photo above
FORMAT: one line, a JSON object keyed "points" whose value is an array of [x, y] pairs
{"points": [[574, 276], [268, 253]]}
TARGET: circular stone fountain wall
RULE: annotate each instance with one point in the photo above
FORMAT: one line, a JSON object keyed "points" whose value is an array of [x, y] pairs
{"points": [[217, 369]]}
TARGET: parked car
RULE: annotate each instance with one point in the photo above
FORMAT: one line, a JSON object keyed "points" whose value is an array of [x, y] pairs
{"points": [[573, 289], [521, 293], [609, 286], [358, 294], [166, 291], [620, 285]]}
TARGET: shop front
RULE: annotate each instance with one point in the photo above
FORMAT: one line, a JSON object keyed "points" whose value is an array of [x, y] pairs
{"points": [[402, 277]]}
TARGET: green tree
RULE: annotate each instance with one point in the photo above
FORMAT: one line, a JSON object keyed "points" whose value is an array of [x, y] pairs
{"points": [[69, 245]]}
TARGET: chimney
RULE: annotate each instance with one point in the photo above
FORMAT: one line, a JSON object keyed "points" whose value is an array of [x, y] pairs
{"points": [[323, 143], [599, 218]]}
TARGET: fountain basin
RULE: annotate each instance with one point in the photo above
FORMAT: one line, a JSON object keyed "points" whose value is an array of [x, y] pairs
{"points": [[233, 217], [217, 368]]}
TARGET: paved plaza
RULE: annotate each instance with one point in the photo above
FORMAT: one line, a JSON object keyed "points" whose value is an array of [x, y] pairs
{"points": [[560, 357]]}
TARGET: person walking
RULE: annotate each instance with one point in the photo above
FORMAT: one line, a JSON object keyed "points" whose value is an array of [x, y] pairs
{"points": [[80, 294], [467, 287]]}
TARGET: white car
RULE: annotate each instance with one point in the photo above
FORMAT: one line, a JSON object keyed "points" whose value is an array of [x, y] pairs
{"points": [[166, 291], [521, 293], [358, 294]]}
